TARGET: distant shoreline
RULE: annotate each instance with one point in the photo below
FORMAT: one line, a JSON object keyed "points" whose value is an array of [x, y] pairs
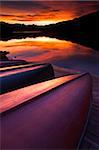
{"points": [[26, 32]]}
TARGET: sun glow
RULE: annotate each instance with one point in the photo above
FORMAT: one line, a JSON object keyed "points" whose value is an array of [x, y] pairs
{"points": [[37, 39], [38, 23], [43, 23]]}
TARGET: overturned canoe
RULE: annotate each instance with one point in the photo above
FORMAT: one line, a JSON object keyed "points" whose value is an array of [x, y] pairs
{"points": [[17, 77], [12, 63], [51, 116]]}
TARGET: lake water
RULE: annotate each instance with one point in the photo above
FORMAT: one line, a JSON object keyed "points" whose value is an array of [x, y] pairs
{"points": [[51, 50]]}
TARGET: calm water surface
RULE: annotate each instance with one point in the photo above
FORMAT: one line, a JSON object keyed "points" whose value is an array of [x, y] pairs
{"points": [[59, 52]]}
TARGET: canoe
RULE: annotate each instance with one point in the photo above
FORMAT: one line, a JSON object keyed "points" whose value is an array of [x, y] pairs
{"points": [[51, 116], [12, 63], [13, 78]]}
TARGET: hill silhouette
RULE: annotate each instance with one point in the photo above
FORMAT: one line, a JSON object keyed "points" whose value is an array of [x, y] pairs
{"points": [[83, 30]]}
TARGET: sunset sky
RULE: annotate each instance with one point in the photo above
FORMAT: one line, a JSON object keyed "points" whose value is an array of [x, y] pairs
{"points": [[44, 12]]}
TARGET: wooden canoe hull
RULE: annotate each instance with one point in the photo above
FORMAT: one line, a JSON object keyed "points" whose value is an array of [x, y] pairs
{"points": [[14, 79], [52, 120]]}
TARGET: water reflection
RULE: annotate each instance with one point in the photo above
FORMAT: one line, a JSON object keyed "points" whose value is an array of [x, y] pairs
{"points": [[59, 52], [41, 48]]}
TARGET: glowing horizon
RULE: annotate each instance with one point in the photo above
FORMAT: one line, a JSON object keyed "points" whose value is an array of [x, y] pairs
{"points": [[38, 23], [43, 22]]}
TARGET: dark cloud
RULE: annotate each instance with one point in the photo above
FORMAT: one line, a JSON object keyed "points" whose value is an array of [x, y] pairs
{"points": [[23, 20], [13, 16], [53, 6], [86, 7], [6, 15], [24, 5], [55, 10]]}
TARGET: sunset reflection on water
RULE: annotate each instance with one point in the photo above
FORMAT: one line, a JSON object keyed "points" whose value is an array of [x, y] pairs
{"points": [[41, 49]]}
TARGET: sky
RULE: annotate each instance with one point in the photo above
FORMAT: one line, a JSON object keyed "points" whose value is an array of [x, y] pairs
{"points": [[44, 12]]}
